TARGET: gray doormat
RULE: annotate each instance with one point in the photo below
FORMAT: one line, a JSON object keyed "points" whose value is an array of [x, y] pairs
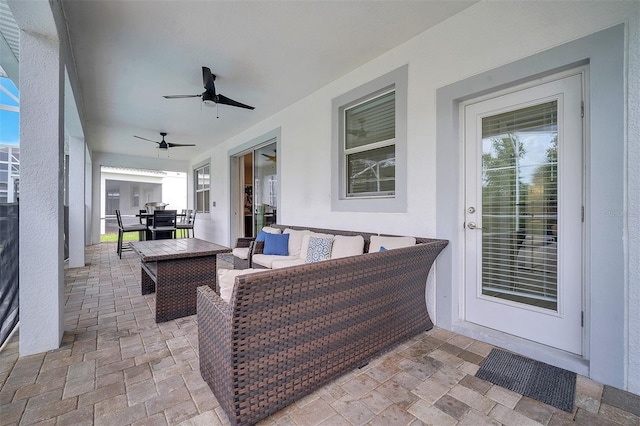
{"points": [[535, 379]]}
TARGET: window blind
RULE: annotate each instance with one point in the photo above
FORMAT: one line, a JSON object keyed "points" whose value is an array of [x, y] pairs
{"points": [[537, 118], [370, 122], [519, 205]]}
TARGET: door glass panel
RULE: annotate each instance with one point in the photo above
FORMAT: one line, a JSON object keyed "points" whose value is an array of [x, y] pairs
{"points": [[265, 184], [519, 205]]}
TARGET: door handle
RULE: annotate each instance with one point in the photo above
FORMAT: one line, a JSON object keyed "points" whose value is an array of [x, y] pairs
{"points": [[472, 225]]}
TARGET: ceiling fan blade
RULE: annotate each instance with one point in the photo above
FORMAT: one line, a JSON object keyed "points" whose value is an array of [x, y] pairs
{"points": [[180, 96], [221, 99], [208, 79], [140, 137], [171, 145]]}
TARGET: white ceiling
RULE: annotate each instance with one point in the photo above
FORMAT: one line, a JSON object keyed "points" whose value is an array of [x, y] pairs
{"points": [[267, 54]]}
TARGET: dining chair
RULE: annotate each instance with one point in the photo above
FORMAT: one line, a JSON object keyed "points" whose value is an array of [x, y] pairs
{"points": [[143, 220], [187, 222], [122, 229], [164, 224]]}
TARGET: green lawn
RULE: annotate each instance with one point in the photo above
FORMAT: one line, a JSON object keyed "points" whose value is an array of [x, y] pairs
{"points": [[113, 238]]}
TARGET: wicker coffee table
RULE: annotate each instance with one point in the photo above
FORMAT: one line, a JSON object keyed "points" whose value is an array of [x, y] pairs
{"points": [[174, 269]]}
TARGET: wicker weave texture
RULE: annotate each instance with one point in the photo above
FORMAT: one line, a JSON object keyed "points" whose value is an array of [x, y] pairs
{"points": [[290, 331], [174, 269], [242, 242], [177, 284]]}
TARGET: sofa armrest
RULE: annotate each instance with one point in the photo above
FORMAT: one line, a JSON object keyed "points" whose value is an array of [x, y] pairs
{"points": [[214, 344], [244, 242], [258, 248]]}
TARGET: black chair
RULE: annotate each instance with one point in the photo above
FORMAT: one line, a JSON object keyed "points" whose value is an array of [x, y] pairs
{"points": [[186, 222], [143, 220], [136, 227], [164, 224]]}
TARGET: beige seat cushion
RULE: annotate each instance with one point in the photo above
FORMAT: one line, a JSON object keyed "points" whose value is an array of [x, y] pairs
{"points": [[227, 280], [390, 243], [266, 260], [241, 252], [276, 264]]}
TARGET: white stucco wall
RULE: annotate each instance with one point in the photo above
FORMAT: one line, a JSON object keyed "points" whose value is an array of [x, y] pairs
{"points": [[483, 37], [632, 221]]}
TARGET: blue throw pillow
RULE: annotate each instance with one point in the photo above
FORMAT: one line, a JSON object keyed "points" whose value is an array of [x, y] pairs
{"points": [[277, 244], [260, 236], [382, 248]]}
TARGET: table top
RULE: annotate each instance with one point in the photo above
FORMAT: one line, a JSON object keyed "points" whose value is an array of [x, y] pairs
{"points": [[145, 215], [176, 248]]}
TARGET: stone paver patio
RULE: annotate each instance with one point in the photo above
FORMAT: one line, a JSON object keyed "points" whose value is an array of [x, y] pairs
{"points": [[117, 366]]}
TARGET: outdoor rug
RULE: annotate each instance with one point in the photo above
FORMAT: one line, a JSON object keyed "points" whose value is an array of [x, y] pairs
{"points": [[535, 379]]}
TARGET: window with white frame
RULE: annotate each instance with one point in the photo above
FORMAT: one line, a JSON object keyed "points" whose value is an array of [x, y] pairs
{"points": [[369, 146], [202, 179]]}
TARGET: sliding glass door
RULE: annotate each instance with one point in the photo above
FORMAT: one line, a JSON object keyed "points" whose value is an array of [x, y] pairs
{"points": [[255, 193], [265, 184]]}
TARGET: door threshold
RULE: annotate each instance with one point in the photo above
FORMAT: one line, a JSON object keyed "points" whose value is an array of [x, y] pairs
{"points": [[524, 347]]}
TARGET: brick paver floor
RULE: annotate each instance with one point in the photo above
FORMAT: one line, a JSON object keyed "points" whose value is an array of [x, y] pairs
{"points": [[116, 366]]}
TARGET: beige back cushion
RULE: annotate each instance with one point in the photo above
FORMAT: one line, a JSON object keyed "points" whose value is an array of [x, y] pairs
{"points": [[227, 280], [345, 246], [390, 243], [271, 230], [295, 241]]}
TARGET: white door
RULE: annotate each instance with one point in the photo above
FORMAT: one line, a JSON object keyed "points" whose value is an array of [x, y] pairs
{"points": [[524, 213]]}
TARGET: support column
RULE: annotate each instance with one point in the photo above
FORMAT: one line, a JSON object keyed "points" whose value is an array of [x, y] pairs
{"points": [[88, 197], [41, 194], [76, 202]]}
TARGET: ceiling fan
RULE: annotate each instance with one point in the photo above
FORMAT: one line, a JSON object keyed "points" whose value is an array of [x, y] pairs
{"points": [[271, 157], [359, 133], [209, 96], [163, 144]]}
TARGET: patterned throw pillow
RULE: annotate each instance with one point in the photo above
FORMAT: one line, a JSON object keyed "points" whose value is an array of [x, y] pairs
{"points": [[319, 249]]}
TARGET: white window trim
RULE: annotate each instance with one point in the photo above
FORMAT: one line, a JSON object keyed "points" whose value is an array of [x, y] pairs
{"points": [[195, 186], [346, 152], [397, 203]]}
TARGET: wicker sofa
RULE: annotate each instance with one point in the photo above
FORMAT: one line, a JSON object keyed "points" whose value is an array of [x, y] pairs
{"points": [[286, 332]]}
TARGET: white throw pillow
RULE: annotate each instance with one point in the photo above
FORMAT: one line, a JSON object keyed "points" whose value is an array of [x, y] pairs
{"points": [[319, 249], [390, 242], [295, 240], [227, 280], [304, 248], [344, 246]]}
